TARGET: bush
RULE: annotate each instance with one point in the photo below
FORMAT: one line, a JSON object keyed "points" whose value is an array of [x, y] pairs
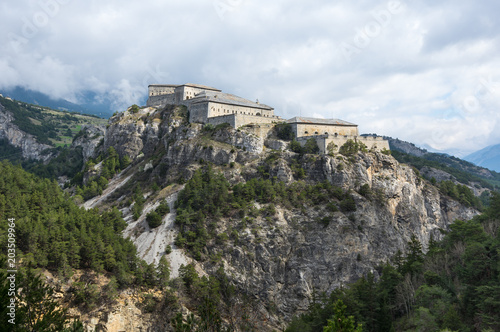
{"points": [[348, 204], [295, 146], [311, 146], [153, 219], [163, 209], [208, 127], [134, 108], [349, 148], [284, 131], [365, 191]]}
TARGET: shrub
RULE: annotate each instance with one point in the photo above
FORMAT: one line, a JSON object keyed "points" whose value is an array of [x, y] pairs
{"points": [[284, 131], [348, 204], [349, 148], [153, 219], [365, 191], [311, 146], [208, 127], [163, 209], [295, 146], [386, 152], [332, 207], [134, 108]]}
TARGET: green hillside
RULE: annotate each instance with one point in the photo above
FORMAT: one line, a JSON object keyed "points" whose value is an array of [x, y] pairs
{"points": [[52, 127]]}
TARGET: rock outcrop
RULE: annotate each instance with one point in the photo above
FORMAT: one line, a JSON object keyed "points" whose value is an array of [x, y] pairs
{"points": [[30, 147], [280, 260], [89, 139]]}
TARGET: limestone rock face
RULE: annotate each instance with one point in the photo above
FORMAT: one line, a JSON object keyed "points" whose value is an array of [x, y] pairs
{"points": [[31, 148], [130, 134], [276, 144], [90, 140], [285, 261], [240, 138]]}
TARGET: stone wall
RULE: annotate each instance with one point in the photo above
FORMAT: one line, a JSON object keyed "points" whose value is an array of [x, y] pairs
{"points": [[375, 143], [158, 90], [220, 109], [238, 120], [261, 130], [185, 92], [161, 100], [230, 118], [309, 129], [198, 113]]}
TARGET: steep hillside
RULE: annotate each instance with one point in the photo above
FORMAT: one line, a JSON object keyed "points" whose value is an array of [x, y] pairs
{"points": [[282, 225], [47, 142], [488, 157]]}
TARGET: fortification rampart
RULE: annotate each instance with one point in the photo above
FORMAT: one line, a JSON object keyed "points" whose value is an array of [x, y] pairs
{"points": [[161, 100], [238, 120], [310, 129], [335, 142]]}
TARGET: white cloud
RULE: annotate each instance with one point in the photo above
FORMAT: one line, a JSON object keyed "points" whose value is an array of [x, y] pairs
{"points": [[410, 78]]}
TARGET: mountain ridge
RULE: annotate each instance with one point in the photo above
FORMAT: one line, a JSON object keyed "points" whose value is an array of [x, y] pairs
{"points": [[488, 157], [89, 105]]}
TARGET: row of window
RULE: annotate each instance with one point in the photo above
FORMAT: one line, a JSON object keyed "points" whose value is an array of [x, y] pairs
{"points": [[316, 133], [240, 112]]}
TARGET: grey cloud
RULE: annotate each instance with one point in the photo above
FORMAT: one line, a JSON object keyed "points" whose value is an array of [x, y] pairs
{"points": [[428, 58]]}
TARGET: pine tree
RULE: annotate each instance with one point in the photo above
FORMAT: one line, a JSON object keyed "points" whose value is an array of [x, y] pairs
{"points": [[38, 311], [163, 271], [339, 322]]}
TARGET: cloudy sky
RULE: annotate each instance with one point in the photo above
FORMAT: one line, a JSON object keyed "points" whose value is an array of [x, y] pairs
{"points": [[424, 71]]}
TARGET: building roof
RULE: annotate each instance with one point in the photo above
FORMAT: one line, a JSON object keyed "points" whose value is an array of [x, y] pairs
{"points": [[199, 86], [226, 98], [331, 122], [169, 85]]}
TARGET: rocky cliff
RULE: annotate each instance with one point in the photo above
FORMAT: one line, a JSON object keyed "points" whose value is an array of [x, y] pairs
{"points": [[89, 139], [280, 258], [31, 148]]}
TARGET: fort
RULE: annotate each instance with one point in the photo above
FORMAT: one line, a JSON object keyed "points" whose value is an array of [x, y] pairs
{"points": [[212, 106]]}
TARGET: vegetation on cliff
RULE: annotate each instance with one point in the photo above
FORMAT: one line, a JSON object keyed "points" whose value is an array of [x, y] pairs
{"points": [[54, 232], [51, 127], [454, 286], [208, 196]]}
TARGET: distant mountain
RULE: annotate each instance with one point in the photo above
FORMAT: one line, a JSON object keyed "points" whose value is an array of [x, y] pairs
{"points": [[91, 104], [488, 157]]}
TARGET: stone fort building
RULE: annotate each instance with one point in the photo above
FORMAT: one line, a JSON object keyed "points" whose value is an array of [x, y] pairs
{"points": [[211, 105]]}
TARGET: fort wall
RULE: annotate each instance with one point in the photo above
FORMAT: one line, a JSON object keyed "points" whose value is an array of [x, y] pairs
{"points": [[161, 100], [238, 120], [310, 129], [230, 118], [219, 109], [198, 113], [158, 90], [323, 141]]}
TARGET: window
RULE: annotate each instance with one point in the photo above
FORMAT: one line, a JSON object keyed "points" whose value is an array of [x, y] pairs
{"points": [[306, 132]]}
